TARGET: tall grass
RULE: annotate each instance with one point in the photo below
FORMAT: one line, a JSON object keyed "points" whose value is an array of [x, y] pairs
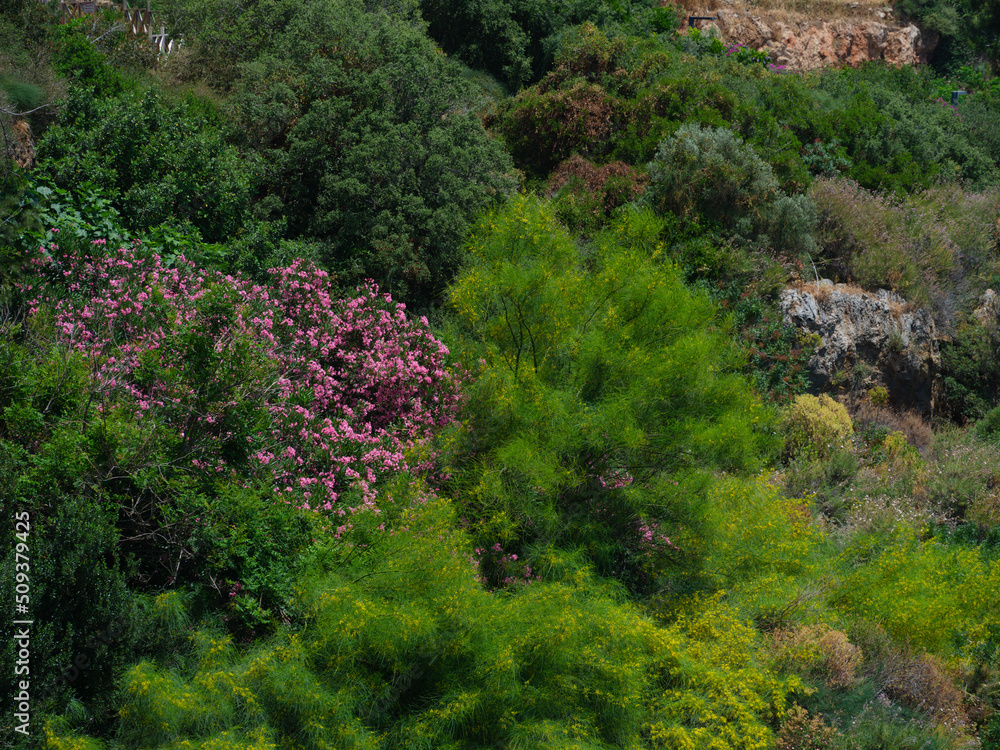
{"points": [[930, 246]]}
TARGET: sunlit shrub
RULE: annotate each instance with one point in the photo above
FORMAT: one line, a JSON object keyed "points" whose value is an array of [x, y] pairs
{"points": [[801, 731], [568, 445], [814, 424], [449, 664], [587, 51], [760, 541], [819, 653], [938, 597]]}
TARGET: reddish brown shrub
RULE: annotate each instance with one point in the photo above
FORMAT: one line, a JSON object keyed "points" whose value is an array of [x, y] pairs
{"points": [[800, 731], [543, 129], [611, 185], [919, 682], [923, 684], [916, 429]]}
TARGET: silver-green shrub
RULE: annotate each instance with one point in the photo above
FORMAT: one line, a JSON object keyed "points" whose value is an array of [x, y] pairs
{"points": [[710, 174]]}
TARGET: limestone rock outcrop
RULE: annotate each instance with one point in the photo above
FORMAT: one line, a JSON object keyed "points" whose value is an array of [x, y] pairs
{"points": [[988, 310], [809, 43], [875, 336]]}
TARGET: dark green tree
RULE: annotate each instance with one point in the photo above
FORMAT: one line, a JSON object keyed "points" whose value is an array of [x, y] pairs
{"points": [[371, 145], [160, 162]]}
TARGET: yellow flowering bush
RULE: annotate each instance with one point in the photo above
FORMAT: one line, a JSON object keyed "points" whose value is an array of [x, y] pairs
{"points": [[941, 598], [404, 648], [761, 543], [812, 424]]}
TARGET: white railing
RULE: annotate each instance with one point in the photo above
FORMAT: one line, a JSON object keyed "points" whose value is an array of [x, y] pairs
{"points": [[137, 20]]}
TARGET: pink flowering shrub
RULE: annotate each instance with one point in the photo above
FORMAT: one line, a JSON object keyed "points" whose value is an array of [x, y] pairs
{"points": [[499, 569], [286, 383]]}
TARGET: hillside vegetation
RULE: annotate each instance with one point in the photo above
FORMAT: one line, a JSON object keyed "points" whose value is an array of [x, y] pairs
{"points": [[411, 375]]}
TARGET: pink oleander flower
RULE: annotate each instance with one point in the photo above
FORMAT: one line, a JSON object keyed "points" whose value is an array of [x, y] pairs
{"points": [[350, 387]]}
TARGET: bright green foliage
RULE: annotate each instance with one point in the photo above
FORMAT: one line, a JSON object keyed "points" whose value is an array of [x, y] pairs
{"points": [[814, 424], [761, 542], [604, 382], [402, 648], [943, 598], [732, 689]]}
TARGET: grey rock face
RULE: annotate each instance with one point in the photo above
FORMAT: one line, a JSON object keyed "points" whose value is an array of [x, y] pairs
{"points": [[989, 307], [898, 344]]}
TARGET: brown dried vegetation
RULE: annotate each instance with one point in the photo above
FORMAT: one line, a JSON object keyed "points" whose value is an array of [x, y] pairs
{"points": [[819, 652], [918, 681], [865, 414], [923, 684]]}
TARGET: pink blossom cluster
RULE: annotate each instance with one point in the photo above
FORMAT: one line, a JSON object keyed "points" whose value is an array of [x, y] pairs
{"points": [[352, 388], [504, 564], [652, 540]]}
